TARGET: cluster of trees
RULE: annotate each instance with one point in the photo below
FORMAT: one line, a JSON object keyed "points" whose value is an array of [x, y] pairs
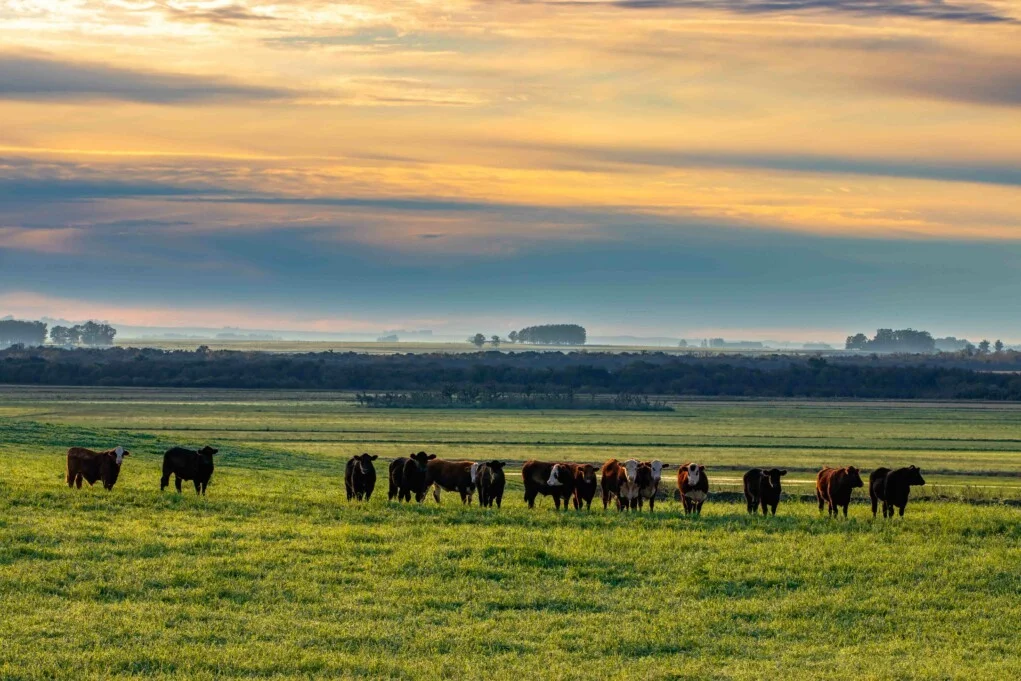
{"points": [[911, 341], [546, 334], [526, 373], [472, 396], [89, 333], [15, 332]]}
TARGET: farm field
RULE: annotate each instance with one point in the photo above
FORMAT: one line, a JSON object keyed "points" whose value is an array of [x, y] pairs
{"points": [[276, 575]]}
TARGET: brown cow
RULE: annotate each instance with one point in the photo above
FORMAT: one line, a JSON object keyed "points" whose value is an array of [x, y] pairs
{"points": [[553, 479], [693, 484], [834, 486], [453, 476], [584, 484], [85, 464], [490, 480], [619, 482], [410, 475], [649, 487]]}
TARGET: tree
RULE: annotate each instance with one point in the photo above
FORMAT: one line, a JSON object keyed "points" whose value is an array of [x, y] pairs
{"points": [[512, 336], [478, 340], [93, 333], [65, 335], [889, 340], [859, 341], [553, 334], [998, 346], [14, 332], [983, 347], [495, 340]]}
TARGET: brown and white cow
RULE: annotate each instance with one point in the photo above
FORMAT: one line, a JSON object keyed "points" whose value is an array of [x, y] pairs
{"points": [[85, 464], [619, 483], [453, 476], [552, 479], [693, 484], [649, 485], [490, 481], [834, 486], [630, 491]]}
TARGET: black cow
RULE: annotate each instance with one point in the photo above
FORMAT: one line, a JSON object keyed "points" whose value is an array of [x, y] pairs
{"points": [[410, 475], [762, 488], [490, 480], [360, 477], [892, 488], [187, 464]]}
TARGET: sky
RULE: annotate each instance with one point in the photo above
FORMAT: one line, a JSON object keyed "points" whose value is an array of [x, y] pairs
{"points": [[746, 168]]}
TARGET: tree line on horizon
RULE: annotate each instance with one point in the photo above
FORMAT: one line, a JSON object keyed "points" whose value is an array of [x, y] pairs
{"points": [[921, 342], [543, 334], [31, 334]]}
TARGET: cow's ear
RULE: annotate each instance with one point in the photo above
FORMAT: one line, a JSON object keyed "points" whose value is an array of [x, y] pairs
{"points": [[374, 457], [431, 457], [666, 465], [701, 469], [783, 471], [213, 451]]}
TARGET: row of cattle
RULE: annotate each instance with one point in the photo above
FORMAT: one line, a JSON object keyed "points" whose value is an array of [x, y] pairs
{"points": [[628, 485]]}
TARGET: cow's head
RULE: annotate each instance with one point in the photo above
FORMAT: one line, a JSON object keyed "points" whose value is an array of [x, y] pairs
{"points": [[558, 475], [774, 475], [111, 469], [657, 469], [631, 469], [854, 476], [206, 454], [364, 462], [694, 473], [422, 459], [496, 465], [587, 472], [118, 454], [915, 476], [475, 472], [644, 475]]}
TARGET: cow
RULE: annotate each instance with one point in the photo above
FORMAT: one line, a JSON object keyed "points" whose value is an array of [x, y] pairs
{"points": [[552, 479], [410, 475], [453, 476], [85, 464], [892, 488], [619, 481], [834, 486], [762, 488], [360, 477], [649, 487], [693, 484], [188, 464], [490, 481], [584, 484]]}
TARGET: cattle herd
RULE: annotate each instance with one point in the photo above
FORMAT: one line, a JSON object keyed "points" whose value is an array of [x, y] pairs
{"points": [[628, 485]]}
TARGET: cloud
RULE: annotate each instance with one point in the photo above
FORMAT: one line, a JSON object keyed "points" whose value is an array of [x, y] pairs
{"points": [[25, 77], [217, 14], [60, 240], [970, 13], [30, 190]]}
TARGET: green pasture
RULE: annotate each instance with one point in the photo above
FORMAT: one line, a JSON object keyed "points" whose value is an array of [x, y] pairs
{"points": [[275, 575]]}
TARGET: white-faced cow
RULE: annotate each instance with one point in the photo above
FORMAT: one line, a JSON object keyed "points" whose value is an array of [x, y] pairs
{"points": [[649, 484], [85, 464], [693, 484], [551, 479]]}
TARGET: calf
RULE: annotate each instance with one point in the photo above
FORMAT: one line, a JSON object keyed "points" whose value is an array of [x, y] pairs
{"points": [[693, 484], [553, 479], [630, 486], [584, 484], [892, 488], [85, 464], [410, 475], [188, 464], [649, 486], [762, 488], [490, 480], [453, 476], [360, 477], [834, 486]]}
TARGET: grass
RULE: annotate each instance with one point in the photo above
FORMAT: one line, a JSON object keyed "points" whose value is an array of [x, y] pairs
{"points": [[276, 575]]}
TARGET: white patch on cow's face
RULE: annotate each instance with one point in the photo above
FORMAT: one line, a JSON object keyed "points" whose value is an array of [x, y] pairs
{"points": [[693, 474], [119, 452], [657, 470], [475, 473], [631, 469], [553, 482]]}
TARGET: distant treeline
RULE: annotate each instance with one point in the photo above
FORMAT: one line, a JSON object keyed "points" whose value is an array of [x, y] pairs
{"points": [[476, 397], [889, 377], [550, 334], [911, 341], [16, 332]]}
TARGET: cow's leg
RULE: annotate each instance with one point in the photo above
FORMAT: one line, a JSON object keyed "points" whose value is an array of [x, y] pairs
{"points": [[177, 484], [652, 503], [606, 498], [530, 497], [78, 481], [198, 487], [774, 504], [875, 503], [901, 510], [164, 481], [436, 493], [499, 500], [818, 496], [845, 509], [556, 501], [750, 501]]}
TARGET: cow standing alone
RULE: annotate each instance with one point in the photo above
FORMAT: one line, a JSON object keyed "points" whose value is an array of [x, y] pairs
{"points": [[188, 464], [762, 488], [360, 477], [693, 484], [834, 486], [892, 488], [85, 464]]}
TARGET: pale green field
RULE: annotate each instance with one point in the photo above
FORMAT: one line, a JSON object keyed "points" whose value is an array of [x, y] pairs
{"points": [[275, 575]]}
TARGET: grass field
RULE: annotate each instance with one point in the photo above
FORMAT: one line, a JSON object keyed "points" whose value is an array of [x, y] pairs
{"points": [[276, 575]]}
